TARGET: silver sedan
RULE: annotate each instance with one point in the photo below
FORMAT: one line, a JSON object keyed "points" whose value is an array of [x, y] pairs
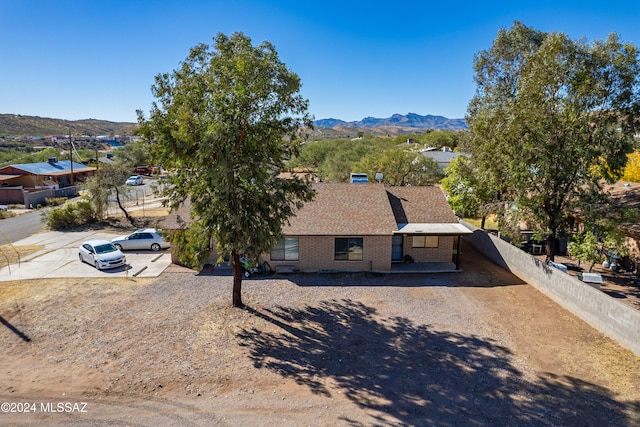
{"points": [[101, 254], [141, 240]]}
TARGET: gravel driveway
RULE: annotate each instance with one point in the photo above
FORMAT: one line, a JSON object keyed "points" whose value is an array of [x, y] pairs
{"points": [[472, 348]]}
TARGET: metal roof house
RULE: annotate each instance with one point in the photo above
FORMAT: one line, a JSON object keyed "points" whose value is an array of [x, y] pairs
{"points": [[443, 157], [44, 174], [20, 182]]}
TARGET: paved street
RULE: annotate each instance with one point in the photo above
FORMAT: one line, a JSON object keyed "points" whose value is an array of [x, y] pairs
{"points": [[21, 226]]}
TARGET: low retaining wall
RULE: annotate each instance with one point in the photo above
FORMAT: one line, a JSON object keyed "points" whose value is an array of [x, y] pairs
{"points": [[604, 313], [34, 198]]}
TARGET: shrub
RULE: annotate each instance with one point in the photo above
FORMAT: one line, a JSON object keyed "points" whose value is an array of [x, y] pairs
{"points": [[54, 201], [71, 214], [191, 246], [6, 214]]}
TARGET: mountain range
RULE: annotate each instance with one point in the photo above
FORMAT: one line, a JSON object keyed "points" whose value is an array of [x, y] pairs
{"points": [[20, 125], [409, 122]]}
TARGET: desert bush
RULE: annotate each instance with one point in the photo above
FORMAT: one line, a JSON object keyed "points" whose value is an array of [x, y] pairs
{"points": [[6, 214], [55, 201], [72, 214]]}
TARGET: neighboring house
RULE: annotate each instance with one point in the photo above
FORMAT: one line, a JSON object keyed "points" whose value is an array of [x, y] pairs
{"points": [[17, 179], [627, 195], [444, 157], [45, 174], [370, 227], [105, 160]]}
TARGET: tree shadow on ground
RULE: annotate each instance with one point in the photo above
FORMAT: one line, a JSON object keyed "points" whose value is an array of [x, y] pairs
{"points": [[18, 332], [414, 375]]}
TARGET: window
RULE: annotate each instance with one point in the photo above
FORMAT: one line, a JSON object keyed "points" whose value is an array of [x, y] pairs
{"points": [[348, 249], [285, 250], [424, 242], [140, 236]]}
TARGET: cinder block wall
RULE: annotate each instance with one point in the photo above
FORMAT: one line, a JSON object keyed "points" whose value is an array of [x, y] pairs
{"points": [[318, 252], [604, 313]]}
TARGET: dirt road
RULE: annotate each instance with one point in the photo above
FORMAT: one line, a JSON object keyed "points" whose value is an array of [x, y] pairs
{"points": [[473, 348]]}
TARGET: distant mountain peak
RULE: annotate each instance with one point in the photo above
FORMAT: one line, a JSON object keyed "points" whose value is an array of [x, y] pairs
{"points": [[406, 122]]}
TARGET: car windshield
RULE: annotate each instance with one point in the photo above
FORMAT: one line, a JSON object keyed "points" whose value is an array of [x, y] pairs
{"points": [[105, 249]]}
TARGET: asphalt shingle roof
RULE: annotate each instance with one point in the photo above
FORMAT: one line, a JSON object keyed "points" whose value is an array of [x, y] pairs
{"points": [[425, 205], [344, 209], [340, 209]]}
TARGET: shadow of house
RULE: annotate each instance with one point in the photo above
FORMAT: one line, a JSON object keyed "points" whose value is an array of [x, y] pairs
{"points": [[408, 374]]}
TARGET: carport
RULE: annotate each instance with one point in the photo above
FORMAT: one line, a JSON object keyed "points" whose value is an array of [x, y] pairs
{"points": [[454, 230]]}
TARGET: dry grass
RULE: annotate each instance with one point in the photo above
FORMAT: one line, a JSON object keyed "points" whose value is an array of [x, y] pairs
{"points": [[10, 254], [490, 222], [20, 291], [151, 212]]}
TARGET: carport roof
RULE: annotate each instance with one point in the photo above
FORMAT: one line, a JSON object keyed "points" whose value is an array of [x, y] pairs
{"points": [[4, 177], [433, 229]]}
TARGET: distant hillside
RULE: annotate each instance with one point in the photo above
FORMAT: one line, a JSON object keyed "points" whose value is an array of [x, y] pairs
{"points": [[18, 125], [396, 124]]}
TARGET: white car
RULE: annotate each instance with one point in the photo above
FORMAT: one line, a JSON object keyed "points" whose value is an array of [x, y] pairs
{"points": [[101, 254], [144, 239], [134, 180]]}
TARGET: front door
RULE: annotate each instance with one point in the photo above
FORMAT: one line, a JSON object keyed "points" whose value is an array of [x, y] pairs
{"points": [[396, 248]]}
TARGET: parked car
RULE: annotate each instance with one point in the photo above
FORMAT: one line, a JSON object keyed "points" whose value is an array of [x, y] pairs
{"points": [[101, 254], [134, 180], [145, 170], [147, 238]]}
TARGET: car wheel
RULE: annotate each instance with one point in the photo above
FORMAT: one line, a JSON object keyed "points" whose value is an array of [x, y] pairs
{"points": [[80, 256], [118, 246], [155, 247], [97, 265]]}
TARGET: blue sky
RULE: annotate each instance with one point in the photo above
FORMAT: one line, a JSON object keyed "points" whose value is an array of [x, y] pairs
{"points": [[97, 59]]}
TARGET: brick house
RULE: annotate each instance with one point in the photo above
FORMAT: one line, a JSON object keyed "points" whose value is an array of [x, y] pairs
{"points": [[370, 227], [363, 227]]}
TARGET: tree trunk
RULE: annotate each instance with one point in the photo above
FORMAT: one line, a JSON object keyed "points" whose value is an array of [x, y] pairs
{"points": [[484, 219], [551, 247], [237, 280], [129, 217]]}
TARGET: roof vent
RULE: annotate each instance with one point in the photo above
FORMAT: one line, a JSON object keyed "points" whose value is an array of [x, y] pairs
{"points": [[52, 160]]}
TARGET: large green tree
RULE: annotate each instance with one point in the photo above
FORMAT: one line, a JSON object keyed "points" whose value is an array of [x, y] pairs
{"points": [[552, 121], [400, 167], [464, 187], [334, 160], [223, 125]]}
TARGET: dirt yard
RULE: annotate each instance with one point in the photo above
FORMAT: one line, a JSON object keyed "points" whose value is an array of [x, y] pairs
{"points": [[472, 348]]}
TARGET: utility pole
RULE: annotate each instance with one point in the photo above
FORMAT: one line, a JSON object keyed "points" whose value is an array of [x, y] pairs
{"points": [[71, 154]]}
